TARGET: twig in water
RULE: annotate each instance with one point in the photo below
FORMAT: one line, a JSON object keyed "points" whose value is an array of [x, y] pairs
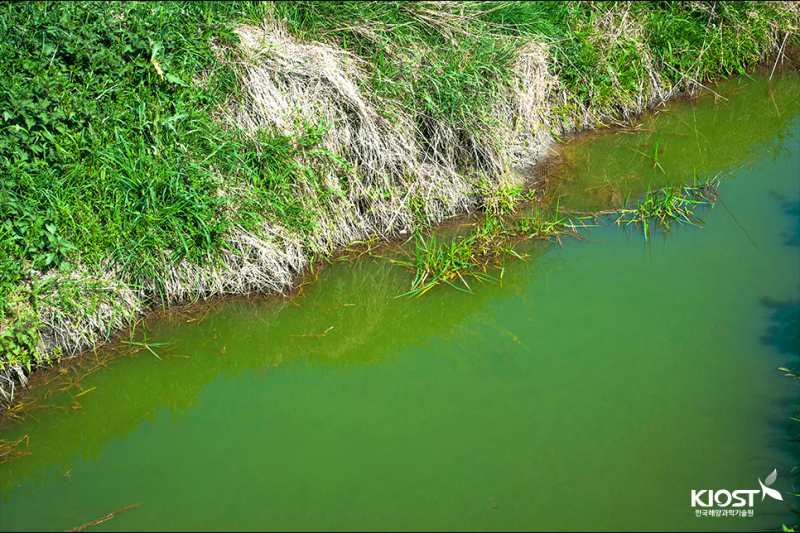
{"points": [[84, 392], [780, 53], [737, 222], [759, 156], [106, 517], [317, 335]]}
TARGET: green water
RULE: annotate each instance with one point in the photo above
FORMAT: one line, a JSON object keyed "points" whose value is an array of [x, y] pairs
{"points": [[672, 145], [600, 385]]}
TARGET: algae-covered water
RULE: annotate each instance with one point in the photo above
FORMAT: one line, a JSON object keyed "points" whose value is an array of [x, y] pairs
{"points": [[595, 389]]}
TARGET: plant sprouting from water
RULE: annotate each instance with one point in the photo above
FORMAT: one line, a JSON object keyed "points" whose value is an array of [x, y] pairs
{"points": [[491, 240], [144, 344], [438, 261], [661, 207]]}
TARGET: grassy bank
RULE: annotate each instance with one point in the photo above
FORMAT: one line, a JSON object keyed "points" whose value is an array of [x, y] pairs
{"points": [[155, 153]]}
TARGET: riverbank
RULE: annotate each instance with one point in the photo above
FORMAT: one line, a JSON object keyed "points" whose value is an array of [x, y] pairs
{"points": [[151, 164], [611, 345]]}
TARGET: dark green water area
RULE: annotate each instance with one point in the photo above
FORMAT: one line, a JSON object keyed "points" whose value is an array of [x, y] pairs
{"points": [[595, 389]]}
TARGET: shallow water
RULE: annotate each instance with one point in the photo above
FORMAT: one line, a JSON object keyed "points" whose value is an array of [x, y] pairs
{"points": [[595, 389]]}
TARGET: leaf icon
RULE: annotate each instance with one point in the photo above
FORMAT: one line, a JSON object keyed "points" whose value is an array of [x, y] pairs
{"points": [[766, 491], [771, 478]]}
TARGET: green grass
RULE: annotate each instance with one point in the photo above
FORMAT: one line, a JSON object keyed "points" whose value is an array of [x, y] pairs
{"points": [[438, 261], [110, 158], [704, 40], [109, 154], [661, 207], [490, 241], [90, 138], [107, 150]]}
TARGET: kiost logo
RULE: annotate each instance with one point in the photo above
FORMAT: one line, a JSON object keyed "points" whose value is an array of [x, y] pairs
{"points": [[737, 498]]}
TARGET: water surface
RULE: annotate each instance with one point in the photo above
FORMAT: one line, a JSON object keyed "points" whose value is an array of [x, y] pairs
{"points": [[594, 389]]}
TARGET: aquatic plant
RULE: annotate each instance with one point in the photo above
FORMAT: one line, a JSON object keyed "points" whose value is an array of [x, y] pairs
{"points": [[489, 242], [659, 208], [664, 206], [143, 343], [9, 451], [439, 261]]}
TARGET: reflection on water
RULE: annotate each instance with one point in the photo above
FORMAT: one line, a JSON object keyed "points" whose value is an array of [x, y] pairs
{"points": [[358, 311], [681, 142]]}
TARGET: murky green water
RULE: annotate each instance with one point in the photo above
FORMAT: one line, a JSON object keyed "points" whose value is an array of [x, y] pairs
{"points": [[595, 389]]}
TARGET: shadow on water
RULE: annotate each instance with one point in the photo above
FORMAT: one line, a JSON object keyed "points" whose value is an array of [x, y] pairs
{"points": [[784, 331], [339, 323], [792, 209]]}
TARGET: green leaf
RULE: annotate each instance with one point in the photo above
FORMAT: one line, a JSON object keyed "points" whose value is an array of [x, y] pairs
{"points": [[176, 80], [157, 47]]}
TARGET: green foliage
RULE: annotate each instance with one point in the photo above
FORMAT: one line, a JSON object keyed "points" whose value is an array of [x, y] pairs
{"points": [[29, 233], [88, 95], [661, 207], [704, 40], [437, 260], [108, 152], [712, 39], [451, 61], [19, 344], [500, 200], [107, 148], [284, 177], [435, 59]]}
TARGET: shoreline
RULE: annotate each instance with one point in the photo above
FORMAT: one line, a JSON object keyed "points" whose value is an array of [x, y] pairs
{"points": [[270, 262], [541, 177]]}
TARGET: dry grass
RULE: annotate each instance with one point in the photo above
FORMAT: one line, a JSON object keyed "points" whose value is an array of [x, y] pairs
{"points": [[288, 84]]}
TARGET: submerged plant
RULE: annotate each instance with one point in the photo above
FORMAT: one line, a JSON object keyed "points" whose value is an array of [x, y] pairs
{"points": [[9, 451]]}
